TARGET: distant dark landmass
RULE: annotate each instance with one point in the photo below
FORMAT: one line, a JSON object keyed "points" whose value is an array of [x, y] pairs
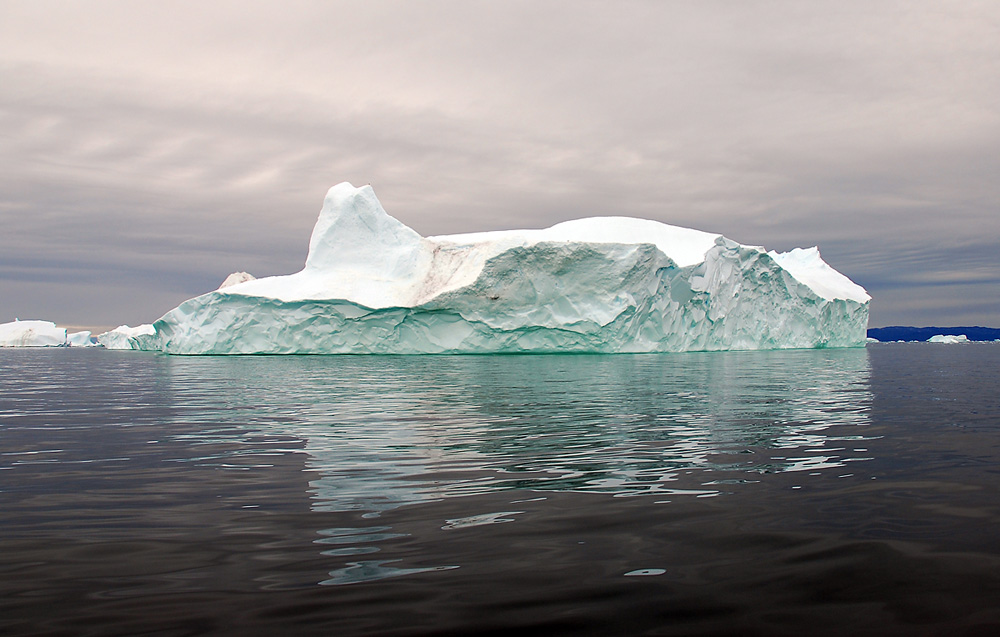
{"points": [[903, 333]]}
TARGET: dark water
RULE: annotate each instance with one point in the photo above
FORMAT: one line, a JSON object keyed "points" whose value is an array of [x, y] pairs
{"points": [[799, 492]]}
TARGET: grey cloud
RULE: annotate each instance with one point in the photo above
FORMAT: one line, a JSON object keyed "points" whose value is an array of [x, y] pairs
{"points": [[173, 144]]}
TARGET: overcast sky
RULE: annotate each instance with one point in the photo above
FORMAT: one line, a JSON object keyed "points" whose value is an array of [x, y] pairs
{"points": [[148, 149]]}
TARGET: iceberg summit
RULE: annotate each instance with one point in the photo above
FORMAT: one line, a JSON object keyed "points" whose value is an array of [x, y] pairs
{"points": [[372, 285]]}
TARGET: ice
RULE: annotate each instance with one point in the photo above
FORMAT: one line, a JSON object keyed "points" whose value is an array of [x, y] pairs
{"points": [[949, 339], [606, 284], [79, 339], [121, 337], [31, 334], [40, 334], [236, 278]]}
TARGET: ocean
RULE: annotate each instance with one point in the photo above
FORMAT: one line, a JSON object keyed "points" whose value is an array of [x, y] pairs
{"points": [[801, 492]]}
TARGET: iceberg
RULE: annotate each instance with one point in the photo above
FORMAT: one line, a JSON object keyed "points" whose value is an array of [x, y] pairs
{"points": [[41, 334], [950, 339], [372, 285], [121, 337]]}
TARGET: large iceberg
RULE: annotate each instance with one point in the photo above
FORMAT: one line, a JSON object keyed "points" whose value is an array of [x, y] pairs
{"points": [[372, 285], [41, 334]]}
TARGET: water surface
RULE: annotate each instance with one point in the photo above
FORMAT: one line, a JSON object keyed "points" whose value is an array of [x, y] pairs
{"points": [[819, 491]]}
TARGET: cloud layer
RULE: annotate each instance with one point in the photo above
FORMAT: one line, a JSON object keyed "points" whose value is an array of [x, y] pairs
{"points": [[150, 149]]}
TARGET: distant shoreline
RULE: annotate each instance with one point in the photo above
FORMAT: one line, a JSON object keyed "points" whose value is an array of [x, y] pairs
{"points": [[907, 333]]}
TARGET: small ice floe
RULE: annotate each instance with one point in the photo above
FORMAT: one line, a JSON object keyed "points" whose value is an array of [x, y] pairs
{"points": [[646, 572], [872, 340], [949, 339]]}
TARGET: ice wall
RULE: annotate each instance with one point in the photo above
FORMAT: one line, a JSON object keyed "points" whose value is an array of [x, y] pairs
{"points": [[371, 285], [121, 337], [41, 334]]}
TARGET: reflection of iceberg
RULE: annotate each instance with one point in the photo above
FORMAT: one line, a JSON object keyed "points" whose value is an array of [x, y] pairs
{"points": [[369, 570], [371, 285], [618, 425], [382, 432]]}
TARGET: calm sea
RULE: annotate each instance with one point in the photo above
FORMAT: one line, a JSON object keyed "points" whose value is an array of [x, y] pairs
{"points": [[837, 492]]}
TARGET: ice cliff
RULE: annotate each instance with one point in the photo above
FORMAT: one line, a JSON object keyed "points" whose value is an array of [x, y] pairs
{"points": [[120, 337], [371, 285], [41, 334]]}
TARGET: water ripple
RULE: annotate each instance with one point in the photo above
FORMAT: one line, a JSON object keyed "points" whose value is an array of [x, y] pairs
{"points": [[381, 432]]}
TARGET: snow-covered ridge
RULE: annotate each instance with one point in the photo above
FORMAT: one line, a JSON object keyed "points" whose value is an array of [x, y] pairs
{"points": [[608, 284], [360, 253]]}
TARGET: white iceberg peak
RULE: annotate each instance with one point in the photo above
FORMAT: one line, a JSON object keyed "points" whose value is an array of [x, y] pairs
{"points": [[235, 279]]}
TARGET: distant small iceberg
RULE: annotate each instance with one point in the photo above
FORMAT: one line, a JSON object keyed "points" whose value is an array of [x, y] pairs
{"points": [[41, 334], [949, 339]]}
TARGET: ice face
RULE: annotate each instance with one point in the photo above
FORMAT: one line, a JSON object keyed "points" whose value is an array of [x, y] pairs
{"points": [[31, 334], [41, 334], [121, 337], [79, 339], [607, 284]]}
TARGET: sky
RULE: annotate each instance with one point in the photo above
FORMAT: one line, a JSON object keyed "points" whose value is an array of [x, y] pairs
{"points": [[149, 149]]}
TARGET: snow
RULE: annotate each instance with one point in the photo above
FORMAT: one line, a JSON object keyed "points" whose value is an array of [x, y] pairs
{"points": [[949, 339], [808, 267], [40, 334], [236, 278], [120, 337], [605, 284]]}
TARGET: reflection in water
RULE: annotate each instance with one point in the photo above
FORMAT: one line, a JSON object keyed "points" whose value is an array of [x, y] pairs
{"points": [[374, 570], [145, 494], [381, 432]]}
